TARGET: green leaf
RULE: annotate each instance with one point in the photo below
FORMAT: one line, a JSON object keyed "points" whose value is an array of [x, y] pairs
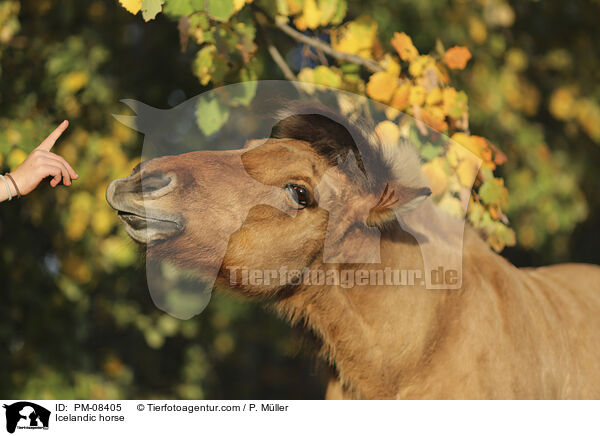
{"points": [[242, 38], [209, 66], [350, 68], [197, 5], [459, 106], [243, 93], [332, 11], [220, 9], [476, 214], [340, 12], [178, 8], [151, 8], [430, 151], [493, 192], [327, 77], [282, 7], [501, 236], [211, 114]]}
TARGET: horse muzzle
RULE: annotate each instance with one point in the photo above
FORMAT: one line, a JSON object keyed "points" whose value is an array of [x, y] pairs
{"points": [[139, 200]]}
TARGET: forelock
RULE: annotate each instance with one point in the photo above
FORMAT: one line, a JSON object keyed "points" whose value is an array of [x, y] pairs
{"points": [[335, 137]]}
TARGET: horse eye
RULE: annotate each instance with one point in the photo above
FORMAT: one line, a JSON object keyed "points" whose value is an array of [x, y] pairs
{"points": [[300, 194]]}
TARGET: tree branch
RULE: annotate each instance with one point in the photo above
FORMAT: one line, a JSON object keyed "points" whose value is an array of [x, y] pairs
{"points": [[369, 64], [281, 24], [283, 66], [275, 55]]}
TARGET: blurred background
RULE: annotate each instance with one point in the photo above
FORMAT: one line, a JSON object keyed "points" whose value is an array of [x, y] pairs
{"points": [[76, 319]]}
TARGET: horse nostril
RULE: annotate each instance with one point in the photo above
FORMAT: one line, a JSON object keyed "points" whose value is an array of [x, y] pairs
{"points": [[155, 183]]}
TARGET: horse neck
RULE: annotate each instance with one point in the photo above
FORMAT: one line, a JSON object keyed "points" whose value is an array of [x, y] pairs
{"points": [[374, 335]]}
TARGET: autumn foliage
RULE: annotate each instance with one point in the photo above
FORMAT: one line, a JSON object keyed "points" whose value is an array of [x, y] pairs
{"points": [[512, 83], [406, 80]]}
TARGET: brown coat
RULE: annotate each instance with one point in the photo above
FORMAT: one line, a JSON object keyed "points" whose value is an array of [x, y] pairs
{"points": [[506, 333], [509, 333]]}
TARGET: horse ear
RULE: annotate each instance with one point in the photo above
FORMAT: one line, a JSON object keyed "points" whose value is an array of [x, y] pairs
{"points": [[396, 201], [128, 120], [146, 115]]}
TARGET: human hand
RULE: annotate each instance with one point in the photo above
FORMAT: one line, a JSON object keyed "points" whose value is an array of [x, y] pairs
{"points": [[42, 163]]}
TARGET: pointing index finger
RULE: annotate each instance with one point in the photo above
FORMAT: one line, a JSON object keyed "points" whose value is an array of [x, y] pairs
{"points": [[48, 143]]}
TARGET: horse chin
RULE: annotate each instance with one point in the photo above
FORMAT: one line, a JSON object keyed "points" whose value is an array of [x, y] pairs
{"points": [[150, 230]]}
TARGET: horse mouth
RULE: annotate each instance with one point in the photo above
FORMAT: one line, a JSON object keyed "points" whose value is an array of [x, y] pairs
{"points": [[148, 229], [139, 207]]}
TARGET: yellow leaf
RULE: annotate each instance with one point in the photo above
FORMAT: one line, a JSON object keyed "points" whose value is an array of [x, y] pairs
{"points": [[451, 205], [475, 144], [434, 97], [457, 153], [13, 136], [418, 67], [306, 75], [294, 6], [312, 14], [457, 57], [417, 96], [355, 37], [562, 104], [132, 6], [74, 81], [16, 158], [391, 65], [477, 30], [404, 46], [332, 11], [388, 132], [481, 144], [433, 120], [327, 77], [80, 210], [400, 99], [208, 65], [436, 174], [381, 86], [454, 103], [448, 97], [467, 171], [391, 113], [118, 251], [588, 116], [321, 75], [442, 73], [72, 106], [436, 112], [238, 4], [300, 23], [516, 60], [103, 221]]}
